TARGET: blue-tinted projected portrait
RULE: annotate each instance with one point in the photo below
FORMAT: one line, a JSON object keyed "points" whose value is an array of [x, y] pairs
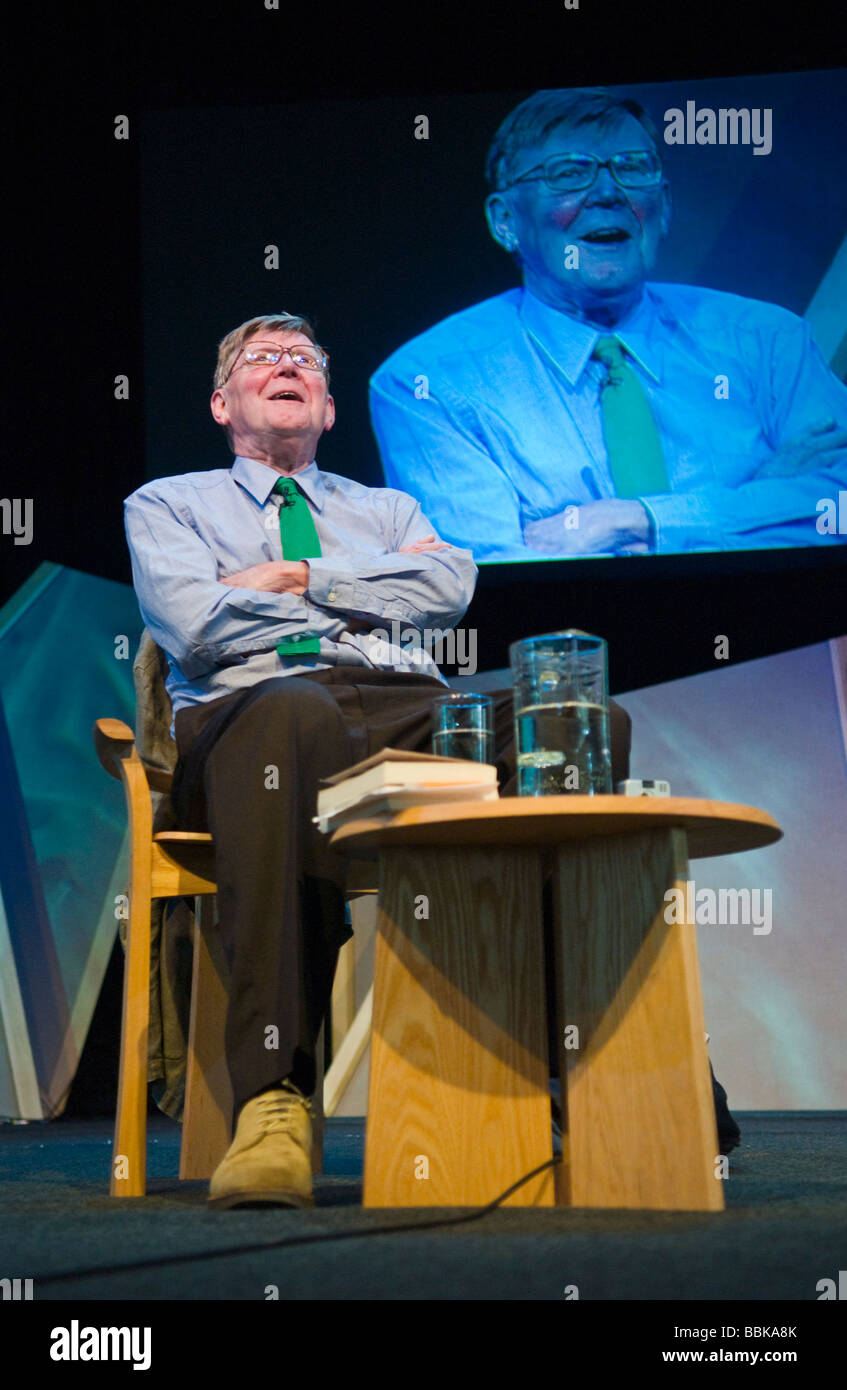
{"points": [[594, 410]]}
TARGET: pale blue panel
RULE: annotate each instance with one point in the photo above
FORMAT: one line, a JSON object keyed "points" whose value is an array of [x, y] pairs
{"points": [[766, 733], [58, 674]]}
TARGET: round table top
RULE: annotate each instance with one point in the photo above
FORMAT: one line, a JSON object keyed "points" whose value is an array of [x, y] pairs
{"points": [[713, 827]]}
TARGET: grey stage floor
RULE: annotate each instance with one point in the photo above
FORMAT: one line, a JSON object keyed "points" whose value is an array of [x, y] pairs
{"points": [[784, 1230]]}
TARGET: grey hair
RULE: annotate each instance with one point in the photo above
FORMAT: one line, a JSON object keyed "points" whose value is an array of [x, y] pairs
{"points": [[230, 346], [534, 119]]}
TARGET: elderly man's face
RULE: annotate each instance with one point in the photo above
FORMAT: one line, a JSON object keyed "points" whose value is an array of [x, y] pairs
{"points": [[265, 406], [616, 231]]}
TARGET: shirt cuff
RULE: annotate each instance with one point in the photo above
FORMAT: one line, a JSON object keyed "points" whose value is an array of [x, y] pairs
{"points": [[680, 522], [328, 587]]}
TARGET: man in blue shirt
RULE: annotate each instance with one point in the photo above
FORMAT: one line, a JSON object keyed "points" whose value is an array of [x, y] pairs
{"points": [[592, 411], [278, 679]]}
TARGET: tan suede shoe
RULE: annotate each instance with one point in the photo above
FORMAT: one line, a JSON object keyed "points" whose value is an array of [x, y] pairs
{"points": [[269, 1160]]}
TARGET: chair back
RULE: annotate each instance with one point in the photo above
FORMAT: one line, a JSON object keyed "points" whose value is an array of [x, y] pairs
{"points": [[153, 717]]}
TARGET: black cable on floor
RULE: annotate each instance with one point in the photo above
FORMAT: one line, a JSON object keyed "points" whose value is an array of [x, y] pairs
{"points": [[288, 1241]]}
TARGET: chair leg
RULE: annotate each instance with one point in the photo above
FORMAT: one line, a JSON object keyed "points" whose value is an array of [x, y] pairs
{"points": [[128, 1177], [207, 1118], [345, 1062], [318, 1105], [343, 1007]]}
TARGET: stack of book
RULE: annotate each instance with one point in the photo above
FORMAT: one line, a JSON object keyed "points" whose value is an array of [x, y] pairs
{"points": [[394, 779]]}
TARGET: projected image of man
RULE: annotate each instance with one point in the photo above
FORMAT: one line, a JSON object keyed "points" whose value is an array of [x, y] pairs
{"points": [[593, 411]]}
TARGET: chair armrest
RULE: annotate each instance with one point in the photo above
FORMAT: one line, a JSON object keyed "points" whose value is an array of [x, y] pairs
{"points": [[115, 743]]}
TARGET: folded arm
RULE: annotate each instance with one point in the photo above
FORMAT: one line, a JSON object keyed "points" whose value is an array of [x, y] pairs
{"points": [[454, 461], [420, 580], [206, 617], [802, 409], [190, 609]]}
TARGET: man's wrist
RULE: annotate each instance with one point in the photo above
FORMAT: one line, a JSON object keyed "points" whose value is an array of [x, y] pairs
{"points": [[639, 526], [649, 535], [294, 577]]}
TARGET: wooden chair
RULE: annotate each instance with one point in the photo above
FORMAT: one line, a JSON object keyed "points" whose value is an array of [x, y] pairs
{"points": [[175, 864]]}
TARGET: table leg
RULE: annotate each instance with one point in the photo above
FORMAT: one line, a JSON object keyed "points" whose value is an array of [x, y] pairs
{"points": [[638, 1108], [459, 1100]]}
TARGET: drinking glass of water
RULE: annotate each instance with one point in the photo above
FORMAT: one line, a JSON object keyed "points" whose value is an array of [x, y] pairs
{"points": [[561, 694], [463, 727]]}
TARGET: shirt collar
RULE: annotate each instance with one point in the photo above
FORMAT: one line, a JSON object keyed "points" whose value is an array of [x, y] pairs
{"points": [[570, 342], [259, 480]]}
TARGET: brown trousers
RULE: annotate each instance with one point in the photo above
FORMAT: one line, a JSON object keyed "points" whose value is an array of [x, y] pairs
{"points": [[248, 771]]}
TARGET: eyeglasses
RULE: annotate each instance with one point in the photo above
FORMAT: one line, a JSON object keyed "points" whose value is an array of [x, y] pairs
{"points": [[305, 355], [571, 173]]}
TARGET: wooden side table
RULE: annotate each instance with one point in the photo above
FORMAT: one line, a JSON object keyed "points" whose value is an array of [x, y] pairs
{"points": [[459, 1104]]}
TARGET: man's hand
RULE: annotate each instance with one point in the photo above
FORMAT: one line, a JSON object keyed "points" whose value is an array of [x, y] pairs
{"points": [[817, 447], [426, 543], [614, 524], [273, 576]]}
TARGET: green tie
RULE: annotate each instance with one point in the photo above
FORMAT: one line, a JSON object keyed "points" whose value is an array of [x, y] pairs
{"points": [[299, 542], [633, 445]]}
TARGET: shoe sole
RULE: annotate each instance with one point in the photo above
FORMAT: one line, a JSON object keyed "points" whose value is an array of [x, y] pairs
{"points": [[280, 1198]]}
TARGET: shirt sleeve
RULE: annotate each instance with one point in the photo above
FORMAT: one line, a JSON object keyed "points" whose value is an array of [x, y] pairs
{"points": [[429, 589], [795, 390], [430, 448], [200, 622]]}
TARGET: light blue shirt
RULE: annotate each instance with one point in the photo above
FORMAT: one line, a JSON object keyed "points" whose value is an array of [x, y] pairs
{"points": [[189, 532], [492, 419]]}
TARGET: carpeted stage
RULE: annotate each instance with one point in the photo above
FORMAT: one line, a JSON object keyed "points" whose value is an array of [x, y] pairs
{"points": [[784, 1230]]}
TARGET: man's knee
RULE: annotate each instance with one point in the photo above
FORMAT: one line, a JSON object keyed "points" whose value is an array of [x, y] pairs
{"points": [[284, 722], [283, 701]]}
